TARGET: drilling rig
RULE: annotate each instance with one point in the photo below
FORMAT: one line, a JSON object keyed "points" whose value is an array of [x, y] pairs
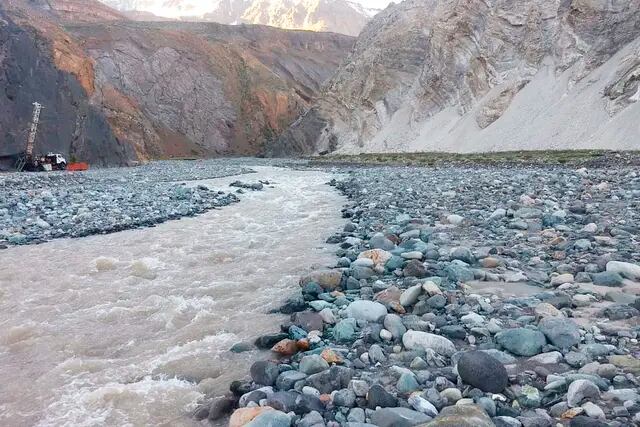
{"points": [[27, 161]]}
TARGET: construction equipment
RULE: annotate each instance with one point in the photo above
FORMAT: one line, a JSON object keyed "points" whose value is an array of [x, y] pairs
{"points": [[27, 161]]}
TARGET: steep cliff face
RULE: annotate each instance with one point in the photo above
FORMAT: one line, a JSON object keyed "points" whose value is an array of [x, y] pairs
{"points": [[34, 70], [340, 16], [156, 90], [226, 89], [476, 75]]}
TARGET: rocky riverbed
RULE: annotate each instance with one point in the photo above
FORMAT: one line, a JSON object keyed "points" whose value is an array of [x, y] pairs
{"points": [[36, 207], [475, 296]]}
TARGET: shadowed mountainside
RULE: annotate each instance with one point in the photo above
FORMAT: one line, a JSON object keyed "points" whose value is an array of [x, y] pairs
{"points": [[117, 91]]}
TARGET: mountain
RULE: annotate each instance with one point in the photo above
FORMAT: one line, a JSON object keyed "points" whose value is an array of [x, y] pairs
{"points": [[117, 91], [339, 16], [477, 75]]}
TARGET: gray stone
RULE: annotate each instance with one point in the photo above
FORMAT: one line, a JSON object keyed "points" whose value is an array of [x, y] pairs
{"points": [[421, 404], [376, 354], [398, 417], [345, 330], [451, 395], [393, 323], [379, 241], [407, 384], [377, 396], [463, 254], [264, 372], [335, 378], [288, 379], [359, 387], [580, 390], [370, 311], [458, 271], [626, 269], [563, 333], [410, 296], [313, 364], [461, 416], [506, 422], [417, 340], [483, 371], [437, 301], [356, 415], [522, 341], [344, 397], [529, 397], [607, 278], [312, 419], [361, 272]]}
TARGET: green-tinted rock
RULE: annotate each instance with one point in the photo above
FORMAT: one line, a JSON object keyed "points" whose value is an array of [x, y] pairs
{"points": [[345, 330], [522, 341], [407, 384]]}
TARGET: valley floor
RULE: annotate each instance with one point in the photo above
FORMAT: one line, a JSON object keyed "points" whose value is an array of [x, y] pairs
{"points": [[465, 294]]}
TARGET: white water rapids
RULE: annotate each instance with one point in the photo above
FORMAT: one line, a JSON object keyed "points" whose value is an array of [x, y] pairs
{"points": [[126, 328]]}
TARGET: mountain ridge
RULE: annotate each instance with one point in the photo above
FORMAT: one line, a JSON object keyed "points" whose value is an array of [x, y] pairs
{"points": [[339, 16], [131, 91], [473, 76]]}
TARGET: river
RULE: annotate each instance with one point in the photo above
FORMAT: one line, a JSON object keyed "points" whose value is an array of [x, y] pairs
{"points": [[133, 328]]}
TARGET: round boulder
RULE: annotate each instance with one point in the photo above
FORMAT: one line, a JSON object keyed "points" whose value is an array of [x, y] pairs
{"points": [[561, 332], [483, 371], [264, 372], [522, 341], [370, 311]]}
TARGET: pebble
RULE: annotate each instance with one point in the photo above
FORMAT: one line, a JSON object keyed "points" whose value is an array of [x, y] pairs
{"points": [[580, 390]]}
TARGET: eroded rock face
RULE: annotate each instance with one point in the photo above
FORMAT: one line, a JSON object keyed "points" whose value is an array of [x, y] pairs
{"points": [[159, 90], [70, 124], [430, 75]]}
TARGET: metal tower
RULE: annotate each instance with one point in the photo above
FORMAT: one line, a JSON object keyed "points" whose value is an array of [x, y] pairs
{"points": [[37, 107]]}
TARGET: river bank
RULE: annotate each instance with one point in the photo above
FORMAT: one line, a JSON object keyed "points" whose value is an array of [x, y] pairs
{"points": [[463, 296], [38, 207], [459, 295], [134, 327]]}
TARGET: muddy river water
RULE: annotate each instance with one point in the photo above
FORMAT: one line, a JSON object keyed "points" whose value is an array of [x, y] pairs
{"points": [[133, 328]]}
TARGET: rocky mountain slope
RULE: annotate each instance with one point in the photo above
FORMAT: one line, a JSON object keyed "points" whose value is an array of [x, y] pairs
{"points": [[476, 75], [117, 91], [340, 16]]}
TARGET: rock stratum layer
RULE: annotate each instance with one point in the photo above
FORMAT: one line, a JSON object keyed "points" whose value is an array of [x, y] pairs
{"points": [[117, 91], [472, 76], [339, 16]]}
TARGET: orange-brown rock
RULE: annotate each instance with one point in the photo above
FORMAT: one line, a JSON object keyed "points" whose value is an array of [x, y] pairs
{"points": [[325, 398], [328, 279], [490, 262], [571, 413], [303, 344], [243, 416], [390, 297], [378, 256], [286, 347], [330, 356]]}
